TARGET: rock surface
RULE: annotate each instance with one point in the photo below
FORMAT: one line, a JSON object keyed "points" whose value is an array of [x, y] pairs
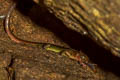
{"points": [[30, 62]]}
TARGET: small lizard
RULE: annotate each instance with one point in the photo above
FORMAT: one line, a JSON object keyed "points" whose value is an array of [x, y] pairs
{"points": [[73, 54]]}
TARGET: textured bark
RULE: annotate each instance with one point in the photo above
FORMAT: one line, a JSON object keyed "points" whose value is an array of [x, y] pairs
{"points": [[96, 18]]}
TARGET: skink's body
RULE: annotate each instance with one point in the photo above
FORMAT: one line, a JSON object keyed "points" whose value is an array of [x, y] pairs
{"points": [[63, 51]]}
